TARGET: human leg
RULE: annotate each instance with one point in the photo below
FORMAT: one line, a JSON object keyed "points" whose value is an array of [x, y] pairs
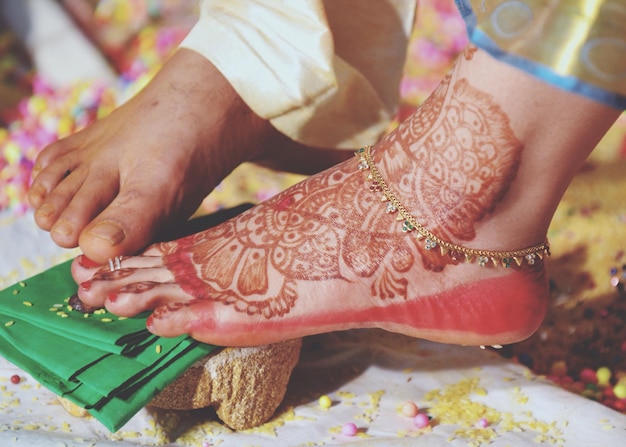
{"points": [[482, 164]]}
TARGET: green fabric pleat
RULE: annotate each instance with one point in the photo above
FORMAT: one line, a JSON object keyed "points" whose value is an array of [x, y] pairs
{"points": [[108, 365]]}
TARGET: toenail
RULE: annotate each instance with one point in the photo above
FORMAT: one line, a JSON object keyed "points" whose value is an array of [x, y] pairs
{"points": [[112, 297], [63, 228], [85, 285], [108, 231], [87, 263], [46, 210], [38, 191], [150, 323]]}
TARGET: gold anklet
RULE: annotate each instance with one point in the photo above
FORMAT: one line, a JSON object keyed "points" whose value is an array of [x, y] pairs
{"points": [[431, 241]]}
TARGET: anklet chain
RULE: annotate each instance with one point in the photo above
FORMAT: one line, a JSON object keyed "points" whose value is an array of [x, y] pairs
{"points": [[431, 241]]}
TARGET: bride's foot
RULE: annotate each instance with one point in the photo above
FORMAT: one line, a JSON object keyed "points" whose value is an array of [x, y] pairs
{"points": [[322, 256], [325, 255]]}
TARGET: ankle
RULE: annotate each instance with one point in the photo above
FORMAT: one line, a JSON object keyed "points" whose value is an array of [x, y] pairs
{"points": [[189, 83], [450, 250]]}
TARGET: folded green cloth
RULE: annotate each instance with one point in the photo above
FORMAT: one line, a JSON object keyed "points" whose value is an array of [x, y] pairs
{"points": [[108, 365]]}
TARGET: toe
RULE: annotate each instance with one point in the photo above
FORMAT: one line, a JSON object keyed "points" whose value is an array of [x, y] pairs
{"points": [[127, 291], [140, 296], [79, 204], [125, 227], [46, 215], [213, 323], [52, 191], [48, 172], [63, 233], [53, 152], [83, 268], [51, 202], [171, 320], [37, 194], [102, 239]]}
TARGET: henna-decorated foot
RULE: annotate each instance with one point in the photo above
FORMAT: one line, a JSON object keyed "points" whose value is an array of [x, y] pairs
{"points": [[328, 255], [322, 256]]}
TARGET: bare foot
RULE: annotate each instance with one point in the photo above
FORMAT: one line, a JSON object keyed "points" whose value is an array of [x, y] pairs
{"points": [[148, 165], [328, 255]]}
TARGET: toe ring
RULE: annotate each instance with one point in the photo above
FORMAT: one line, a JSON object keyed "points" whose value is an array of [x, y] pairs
{"points": [[115, 263]]}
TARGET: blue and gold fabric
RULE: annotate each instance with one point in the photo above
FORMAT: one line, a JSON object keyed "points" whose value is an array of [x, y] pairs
{"points": [[578, 45]]}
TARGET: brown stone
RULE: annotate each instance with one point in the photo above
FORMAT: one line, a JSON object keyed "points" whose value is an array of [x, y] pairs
{"points": [[245, 386]]}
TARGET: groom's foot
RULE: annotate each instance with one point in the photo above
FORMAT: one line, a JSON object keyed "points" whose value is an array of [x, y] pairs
{"points": [[113, 186]]}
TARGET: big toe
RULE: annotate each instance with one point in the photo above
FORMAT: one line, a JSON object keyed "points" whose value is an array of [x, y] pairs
{"points": [[110, 237], [123, 228]]}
